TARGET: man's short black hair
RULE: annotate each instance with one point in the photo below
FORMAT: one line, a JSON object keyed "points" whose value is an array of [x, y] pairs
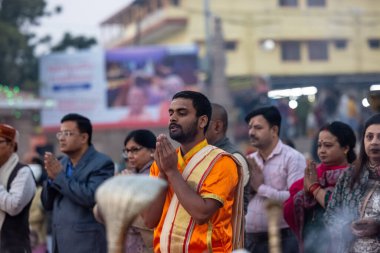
{"points": [[200, 102], [270, 113], [83, 123]]}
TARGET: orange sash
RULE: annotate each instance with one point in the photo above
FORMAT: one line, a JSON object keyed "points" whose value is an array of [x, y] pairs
{"points": [[179, 225]]}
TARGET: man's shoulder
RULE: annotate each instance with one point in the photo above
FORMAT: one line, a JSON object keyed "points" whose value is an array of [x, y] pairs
{"points": [[22, 172], [223, 158], [224, 166], [21, 166], [103, 156], [226, 145], [216, 151], [292, 158], [241, 158], [94, 160], [289, 151], [97, 155]]}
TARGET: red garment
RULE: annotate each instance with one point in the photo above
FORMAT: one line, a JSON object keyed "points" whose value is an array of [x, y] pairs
{"points": [[291, 216]]}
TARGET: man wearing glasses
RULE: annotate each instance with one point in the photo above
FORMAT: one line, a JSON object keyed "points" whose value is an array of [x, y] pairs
{"points": [[17, 188], [70, 190]]}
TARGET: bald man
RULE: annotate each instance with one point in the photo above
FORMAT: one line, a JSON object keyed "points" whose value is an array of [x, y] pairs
{"points": [[216, 135]]}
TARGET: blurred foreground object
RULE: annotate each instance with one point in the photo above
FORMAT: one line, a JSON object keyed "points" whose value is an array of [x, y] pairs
{"points": [[274, 209], [374, 100], [240, 251], [120, 200]]}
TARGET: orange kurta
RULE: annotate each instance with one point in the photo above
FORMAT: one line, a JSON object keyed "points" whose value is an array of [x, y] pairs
{"points": [[220, 185]]}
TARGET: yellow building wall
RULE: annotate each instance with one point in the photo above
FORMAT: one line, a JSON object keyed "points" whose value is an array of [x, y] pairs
{"points": [[250, 22]]}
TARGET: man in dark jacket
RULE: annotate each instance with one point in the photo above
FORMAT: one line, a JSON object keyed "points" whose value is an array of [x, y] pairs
{"points": [[70, 189]]}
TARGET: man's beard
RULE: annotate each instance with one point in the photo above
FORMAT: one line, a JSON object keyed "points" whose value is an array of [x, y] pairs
{"points": [[184, 137]]}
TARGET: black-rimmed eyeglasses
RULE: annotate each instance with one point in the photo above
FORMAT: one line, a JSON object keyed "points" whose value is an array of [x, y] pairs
{"points": [[133, 151], [64, 134]]}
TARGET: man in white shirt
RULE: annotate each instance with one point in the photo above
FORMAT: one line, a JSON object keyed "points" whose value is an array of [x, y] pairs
{"points": [[274, 167], [17, 188]]}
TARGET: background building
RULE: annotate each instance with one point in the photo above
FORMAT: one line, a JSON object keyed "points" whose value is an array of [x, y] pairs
{"points": [[273, 44], [295, 42], [333, 47]]}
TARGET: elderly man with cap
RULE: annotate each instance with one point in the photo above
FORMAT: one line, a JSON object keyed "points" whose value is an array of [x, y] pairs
{"points": [[17, 188]]}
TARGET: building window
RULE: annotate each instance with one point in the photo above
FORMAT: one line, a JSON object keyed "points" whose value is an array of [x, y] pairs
{"points": [[175, 2], [290, 50], [316, 3], [230, 45], [340, 44], [288, 3], [318, 50], [374, 43]]}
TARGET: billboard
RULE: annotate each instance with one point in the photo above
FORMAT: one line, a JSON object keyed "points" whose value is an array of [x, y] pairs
{"points": [[125, 87]]}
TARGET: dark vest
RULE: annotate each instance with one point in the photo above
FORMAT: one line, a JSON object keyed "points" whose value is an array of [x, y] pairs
{"points": [[15, 230]]}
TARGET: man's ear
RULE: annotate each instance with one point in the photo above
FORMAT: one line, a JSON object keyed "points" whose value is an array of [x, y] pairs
{"points": [[218, 126], [202, 121], [84, 137], [276, 130]]}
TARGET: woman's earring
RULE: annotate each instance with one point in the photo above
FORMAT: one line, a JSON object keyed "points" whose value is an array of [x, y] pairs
{"points": [[151, 155]]}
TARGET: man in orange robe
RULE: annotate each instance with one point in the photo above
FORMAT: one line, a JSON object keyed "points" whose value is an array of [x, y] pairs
{"points": [[201, 211]]}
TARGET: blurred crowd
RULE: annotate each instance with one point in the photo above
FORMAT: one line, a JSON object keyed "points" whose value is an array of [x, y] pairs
{"points": [[332, 197]]}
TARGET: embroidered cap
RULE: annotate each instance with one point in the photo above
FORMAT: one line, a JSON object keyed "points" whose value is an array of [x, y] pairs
{"points": [[7, 132]]}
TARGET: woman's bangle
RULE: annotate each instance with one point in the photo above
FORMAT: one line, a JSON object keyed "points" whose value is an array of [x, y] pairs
{"points": [[313, 187], [316, 192]]}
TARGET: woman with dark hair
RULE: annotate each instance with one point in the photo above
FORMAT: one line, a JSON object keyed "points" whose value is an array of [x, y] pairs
{"points": [[304, 209], [139, 147], [353, 214]]}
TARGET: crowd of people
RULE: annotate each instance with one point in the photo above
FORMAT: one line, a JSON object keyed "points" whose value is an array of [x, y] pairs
{"points": [[216, 196]]}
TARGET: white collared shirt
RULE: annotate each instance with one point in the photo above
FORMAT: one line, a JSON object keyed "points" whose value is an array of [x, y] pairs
{"points": [[282, 168], [21, 191]]}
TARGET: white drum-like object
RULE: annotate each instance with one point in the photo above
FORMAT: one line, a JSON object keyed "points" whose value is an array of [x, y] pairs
{"points": [[120, 199]]}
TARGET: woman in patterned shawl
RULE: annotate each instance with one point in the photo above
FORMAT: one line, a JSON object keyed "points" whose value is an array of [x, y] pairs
{"points": [[353, 214], [304, 209]]}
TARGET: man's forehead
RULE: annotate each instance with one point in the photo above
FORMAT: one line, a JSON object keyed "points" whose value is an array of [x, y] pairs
{"points": [[258, 119], [69, 124], [181, 103]]}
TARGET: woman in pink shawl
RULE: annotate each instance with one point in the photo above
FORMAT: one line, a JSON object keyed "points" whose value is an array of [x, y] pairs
{"points": [[304, 209]]}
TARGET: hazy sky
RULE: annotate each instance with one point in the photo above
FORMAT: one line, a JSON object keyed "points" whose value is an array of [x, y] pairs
{"points": [[79, 17]]}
